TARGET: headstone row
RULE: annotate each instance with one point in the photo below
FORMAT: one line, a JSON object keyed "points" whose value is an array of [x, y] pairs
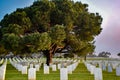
{"points": [[97, 72], [30, 66]]}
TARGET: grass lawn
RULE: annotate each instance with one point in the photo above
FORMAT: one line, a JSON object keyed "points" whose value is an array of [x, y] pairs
{"points": [[80, 73], [110, 75]]}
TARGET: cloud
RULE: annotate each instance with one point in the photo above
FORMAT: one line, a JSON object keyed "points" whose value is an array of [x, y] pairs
{"points": [[109, 39]]}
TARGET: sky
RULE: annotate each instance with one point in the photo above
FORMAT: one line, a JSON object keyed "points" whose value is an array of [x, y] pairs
{"points": [[108, 40]]}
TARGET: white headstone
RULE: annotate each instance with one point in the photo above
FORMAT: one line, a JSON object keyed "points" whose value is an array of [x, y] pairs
{"points": [[37, 66], [98, 74], [92, 69], [32, 74], [2, 75], [100, 64], [59, 66], [114, 64], [31, 65], [103, 67], [50, 65], [69, 68], [88, 67], [65, 64], [54, 67], [46, 69], [74, 65], [3, 71], [19, 67], [109, 68], [118, 71], [1, 61], [63, 74], [24, 69]]}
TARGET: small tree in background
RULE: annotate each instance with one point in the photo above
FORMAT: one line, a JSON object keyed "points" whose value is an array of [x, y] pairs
{"points": [[118, 54], [104, 54]]}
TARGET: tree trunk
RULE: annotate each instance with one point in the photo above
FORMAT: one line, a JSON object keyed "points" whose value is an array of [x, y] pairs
{"points": [[85, 57], [47, 59], [49, 56]]}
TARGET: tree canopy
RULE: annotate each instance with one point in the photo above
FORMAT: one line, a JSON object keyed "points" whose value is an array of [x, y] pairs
{"points": [[50, 25]]}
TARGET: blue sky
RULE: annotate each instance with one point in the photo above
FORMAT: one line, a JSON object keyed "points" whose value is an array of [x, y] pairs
{"points": [[8, 6], [108, 40]]}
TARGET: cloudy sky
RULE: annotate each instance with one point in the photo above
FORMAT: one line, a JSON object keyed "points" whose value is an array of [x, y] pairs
{"points": [[108, 40]]}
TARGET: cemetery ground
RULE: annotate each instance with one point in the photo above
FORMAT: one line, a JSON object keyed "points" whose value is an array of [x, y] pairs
{"points": [[80, 73]]}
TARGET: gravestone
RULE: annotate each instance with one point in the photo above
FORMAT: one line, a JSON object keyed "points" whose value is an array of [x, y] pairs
{"points": [[92, 69], [103, 67], [62, 65], [3, 71], [69, 68], [100, 64], [88, 66], [1, 61], [63, 74], [1, 74], [24, 69], [31, 65], [19, 67], [59, 66], [50, 65], [65, 64], [37, 66], [46, 69], [32, 74], [118, 71], [115, 64], [74, 65], [98, 74], [109, 68], [54, 67]]}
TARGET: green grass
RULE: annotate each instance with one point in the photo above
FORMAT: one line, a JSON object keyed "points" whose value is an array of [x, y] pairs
{"points": [[13, 74], [80, 73], [54, 75], [110, 75]]}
